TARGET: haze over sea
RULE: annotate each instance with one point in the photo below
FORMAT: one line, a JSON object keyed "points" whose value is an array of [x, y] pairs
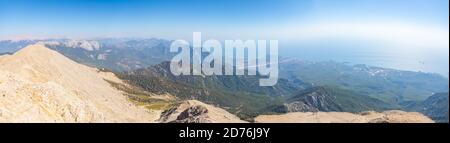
{"points": [[431, 61]]}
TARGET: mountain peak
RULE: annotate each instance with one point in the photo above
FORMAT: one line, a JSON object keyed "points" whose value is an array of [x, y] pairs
{"points": [[36, 53], [38, 84], [41, 64], [34, 49]]}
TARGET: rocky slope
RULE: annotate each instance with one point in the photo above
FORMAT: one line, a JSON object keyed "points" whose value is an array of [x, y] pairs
{"points": [[193, 111], [435, 107], [41, 85], [344, 117], [328, 99]]}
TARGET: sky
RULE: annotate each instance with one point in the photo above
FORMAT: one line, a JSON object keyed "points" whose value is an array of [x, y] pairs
{"points": [[135, 17], [414, 26], [218, 18]]}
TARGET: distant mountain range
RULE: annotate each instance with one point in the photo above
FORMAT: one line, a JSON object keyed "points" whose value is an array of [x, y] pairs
{"points": [[10, 46], [117, 54]]}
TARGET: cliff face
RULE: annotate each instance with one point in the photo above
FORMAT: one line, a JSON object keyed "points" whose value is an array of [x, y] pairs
{"points": [[41, 85]]}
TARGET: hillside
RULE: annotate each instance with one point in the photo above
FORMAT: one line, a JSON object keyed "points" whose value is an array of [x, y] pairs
{"points": [[240, 95], [41, 85], [390, 85], [435, 107], [327, 99]]}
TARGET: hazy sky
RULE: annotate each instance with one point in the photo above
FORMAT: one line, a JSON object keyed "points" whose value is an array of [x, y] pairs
{"points": [[409, 31]]}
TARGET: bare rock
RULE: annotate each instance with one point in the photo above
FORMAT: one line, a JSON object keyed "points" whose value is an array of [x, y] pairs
{"points": [[193, 111]]}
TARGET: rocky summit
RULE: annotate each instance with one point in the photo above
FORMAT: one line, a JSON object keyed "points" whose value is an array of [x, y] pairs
{"points": [[40, 85]]}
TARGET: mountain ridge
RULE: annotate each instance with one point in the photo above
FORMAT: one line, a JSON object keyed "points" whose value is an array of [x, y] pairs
{"points": [[40, 85], [327, 99], [436, 107]]}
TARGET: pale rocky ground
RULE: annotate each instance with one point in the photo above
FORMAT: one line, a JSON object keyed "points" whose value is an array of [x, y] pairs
{"points": [[193, 111], [41, 85], [343, 117]]}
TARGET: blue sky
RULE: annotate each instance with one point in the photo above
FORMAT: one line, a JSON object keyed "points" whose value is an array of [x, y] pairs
{"points": [[136, 17], [178, 18]]}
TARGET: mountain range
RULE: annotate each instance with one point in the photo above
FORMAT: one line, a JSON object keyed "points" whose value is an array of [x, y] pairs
{"points": [[117, 54], [304, 86]]}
